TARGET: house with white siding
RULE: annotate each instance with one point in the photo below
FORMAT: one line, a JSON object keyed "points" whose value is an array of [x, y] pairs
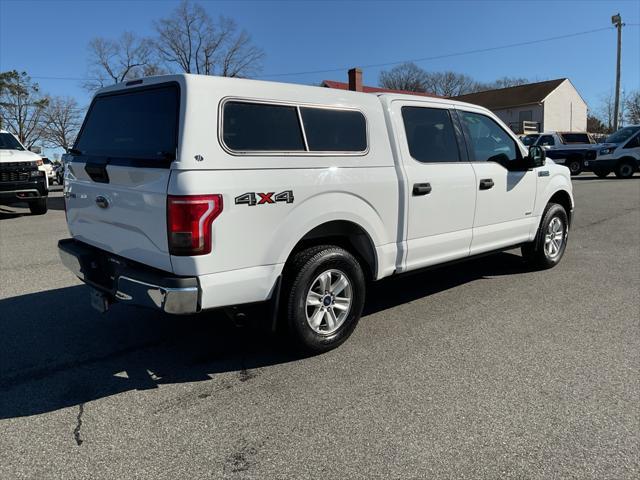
{"points": [[553, 105]]}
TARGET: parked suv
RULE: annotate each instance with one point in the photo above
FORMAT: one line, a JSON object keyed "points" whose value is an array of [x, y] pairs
{"points": [[619, 153], [21, 179], [186, 193], [568, 148]]}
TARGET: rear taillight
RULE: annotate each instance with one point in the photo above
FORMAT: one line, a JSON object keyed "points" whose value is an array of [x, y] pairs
{"points": [[189, 220]]}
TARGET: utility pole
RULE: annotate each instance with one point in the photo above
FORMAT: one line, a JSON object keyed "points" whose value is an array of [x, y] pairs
{"points": [[617, 21]]}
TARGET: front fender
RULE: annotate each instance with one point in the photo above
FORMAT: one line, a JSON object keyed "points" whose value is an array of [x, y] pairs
{"points": [[558, 181]]}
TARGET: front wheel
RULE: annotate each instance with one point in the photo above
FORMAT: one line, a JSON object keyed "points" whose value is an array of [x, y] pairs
{"points": [[625, 170], [547, 249], [325, 290], [575, 166], [38, 207]]}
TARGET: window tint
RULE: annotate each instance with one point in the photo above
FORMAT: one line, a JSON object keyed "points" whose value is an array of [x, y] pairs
{"points": [[136, 124], [262, 127], [633, 143], [488, 141], [621, 135], [430, 134], [575, 138], [9, 142], [330, 130], [546, 140]]}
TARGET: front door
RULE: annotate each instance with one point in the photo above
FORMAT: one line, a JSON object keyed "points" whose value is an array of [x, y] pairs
{"points": [[440, 196], [505, 190]]}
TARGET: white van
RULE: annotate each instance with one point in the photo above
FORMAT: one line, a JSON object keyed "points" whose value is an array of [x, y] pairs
{"points": [[187, 193], [620, 153]]}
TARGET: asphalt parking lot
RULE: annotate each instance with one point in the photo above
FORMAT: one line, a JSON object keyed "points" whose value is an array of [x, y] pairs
{"points": [[479, 370]]}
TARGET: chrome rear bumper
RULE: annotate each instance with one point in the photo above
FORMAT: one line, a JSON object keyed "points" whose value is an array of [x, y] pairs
{"points": [[120, 280]]}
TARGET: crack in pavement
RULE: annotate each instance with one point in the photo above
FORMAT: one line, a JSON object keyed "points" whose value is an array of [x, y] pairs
{"points": [[76, 431]]}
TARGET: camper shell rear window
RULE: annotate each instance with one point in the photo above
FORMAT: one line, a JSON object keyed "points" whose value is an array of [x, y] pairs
{"points": [[270, 128], [141, 123]]}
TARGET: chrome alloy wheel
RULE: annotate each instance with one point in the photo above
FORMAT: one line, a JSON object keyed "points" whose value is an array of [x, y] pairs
{"points": [[554, 238], [328, 301]]}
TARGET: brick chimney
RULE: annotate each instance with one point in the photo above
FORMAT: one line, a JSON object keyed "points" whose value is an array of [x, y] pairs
{"points": [[355, 80]]}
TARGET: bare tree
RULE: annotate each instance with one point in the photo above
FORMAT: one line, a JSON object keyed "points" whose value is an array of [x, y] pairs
{"points": [[449, 84], [62, 119], [606, 109], [193, 43], [21, 106], [595, 124], [406, 76], [506, 82], [114, 61], [633, 107]]}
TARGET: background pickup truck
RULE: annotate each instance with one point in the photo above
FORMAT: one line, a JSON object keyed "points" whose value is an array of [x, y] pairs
{"points": [[186, 193], [22, 178], [568, 148]]}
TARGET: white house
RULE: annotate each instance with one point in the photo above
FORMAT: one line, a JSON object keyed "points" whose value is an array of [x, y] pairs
{"points": [[553, 105]]}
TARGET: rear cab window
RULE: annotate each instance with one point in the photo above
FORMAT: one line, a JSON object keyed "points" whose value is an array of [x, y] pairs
{"points": [[271, 128], [576, 138], [137, 124], [430, 134]]}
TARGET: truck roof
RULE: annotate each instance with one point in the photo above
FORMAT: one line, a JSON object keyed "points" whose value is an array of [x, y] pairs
{"points": [[312, 92]]}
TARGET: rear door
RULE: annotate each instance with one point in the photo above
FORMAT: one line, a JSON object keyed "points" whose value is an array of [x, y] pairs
{"points": [[116, 190], [440, 184]]}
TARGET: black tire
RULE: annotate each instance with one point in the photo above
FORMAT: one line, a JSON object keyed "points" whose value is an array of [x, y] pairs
{"points": [[38, 207], [601, 173], [625, 169], [535, 252], [575, 166], [301, 274]]}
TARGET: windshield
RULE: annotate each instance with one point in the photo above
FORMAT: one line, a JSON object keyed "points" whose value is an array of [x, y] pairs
{"points": [[135, 124], [621, 135], [9, 142], [529, 140]]}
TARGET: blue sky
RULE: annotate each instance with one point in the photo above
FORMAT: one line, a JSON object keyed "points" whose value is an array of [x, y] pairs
{"points": [[49, 38]]}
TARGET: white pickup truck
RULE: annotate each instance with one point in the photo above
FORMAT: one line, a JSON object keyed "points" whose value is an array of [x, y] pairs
{"points": [[187, 193], [22, 176]]}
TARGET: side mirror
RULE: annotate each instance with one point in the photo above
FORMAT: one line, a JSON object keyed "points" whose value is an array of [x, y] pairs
{"points": [[536, 156]]}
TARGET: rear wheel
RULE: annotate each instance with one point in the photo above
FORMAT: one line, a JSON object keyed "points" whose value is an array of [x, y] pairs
{"points": [[38, 207], [547, 249], [575, 166], [601, 173], [625, 169], [324, 294]]}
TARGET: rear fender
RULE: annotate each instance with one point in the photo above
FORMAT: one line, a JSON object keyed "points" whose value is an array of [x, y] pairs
{"points": [[323, 208]]}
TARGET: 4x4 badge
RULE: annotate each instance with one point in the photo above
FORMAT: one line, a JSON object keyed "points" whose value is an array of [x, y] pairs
{"points": [[257, 198]]}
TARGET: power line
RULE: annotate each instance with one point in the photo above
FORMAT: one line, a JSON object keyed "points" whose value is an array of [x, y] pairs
{"points": [[397, 62], [448, 55]]}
